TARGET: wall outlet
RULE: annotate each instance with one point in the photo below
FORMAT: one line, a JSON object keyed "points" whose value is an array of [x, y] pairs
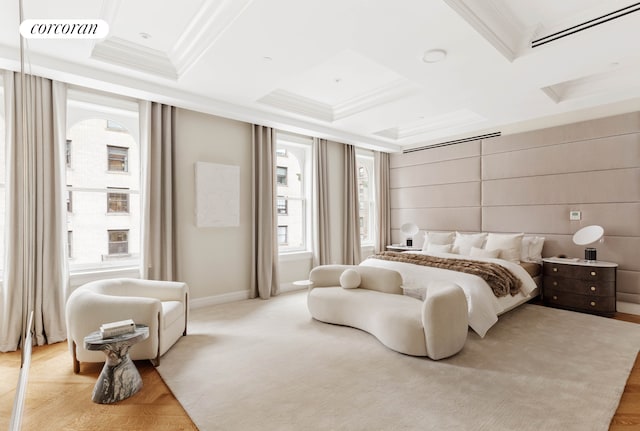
{"points": [[575, 215]]}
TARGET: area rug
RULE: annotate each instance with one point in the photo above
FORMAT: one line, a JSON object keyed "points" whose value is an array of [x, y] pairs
{"points": [[267, 365]]}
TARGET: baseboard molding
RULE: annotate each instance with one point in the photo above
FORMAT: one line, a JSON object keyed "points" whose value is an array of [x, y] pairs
{"points": [[239, 295], [218, 299], [628, 307]]}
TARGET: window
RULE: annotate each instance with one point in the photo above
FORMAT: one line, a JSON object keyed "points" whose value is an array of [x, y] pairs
{"points": [[282, 206], [118, 159], [115, 126], [281, 175], [105, 220], [283, 233], [69, 244], [118, 242], [364, 164], [69, 199], [117, 202], [67, 152], [293, 174]]}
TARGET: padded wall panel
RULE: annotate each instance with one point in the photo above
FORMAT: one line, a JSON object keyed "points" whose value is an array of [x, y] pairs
{"points": [[445, 219], [617, 219], [628, 297], [629, 282], [618, 185], [439, 154], [528, 182], [582, 131], [615, 152], [445, 172], [439, 196]]}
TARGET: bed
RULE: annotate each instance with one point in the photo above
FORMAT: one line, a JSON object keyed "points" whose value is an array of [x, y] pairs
{"points": [[484, 306]]}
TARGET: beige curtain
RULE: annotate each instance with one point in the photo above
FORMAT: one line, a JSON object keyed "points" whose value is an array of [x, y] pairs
{"points": [[351, 221], [383, 200], [321, 245], [157, 143], [264, 239], [35, 269]]}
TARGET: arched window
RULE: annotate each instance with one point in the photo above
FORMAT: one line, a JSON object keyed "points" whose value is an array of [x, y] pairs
{"points": [[103, 195]]}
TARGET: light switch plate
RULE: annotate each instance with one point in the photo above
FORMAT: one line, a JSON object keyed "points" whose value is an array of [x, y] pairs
{"points": [[575, 215]]}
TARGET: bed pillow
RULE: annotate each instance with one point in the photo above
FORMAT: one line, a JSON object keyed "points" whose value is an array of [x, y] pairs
{"points": [[532, 248], [509, 244], [439, 238], [464, 241], [438, 248], [350, 279], [481, 252]]}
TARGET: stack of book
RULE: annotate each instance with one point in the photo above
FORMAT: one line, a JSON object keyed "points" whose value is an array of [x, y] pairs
{"points": [[113, 329]]}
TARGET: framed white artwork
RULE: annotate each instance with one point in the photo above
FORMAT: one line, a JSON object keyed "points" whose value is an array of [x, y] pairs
{"points": [[217, 195]]}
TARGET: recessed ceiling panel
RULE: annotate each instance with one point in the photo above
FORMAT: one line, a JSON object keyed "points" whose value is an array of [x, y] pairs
{"points": [[427, 127], [617, 79], [343, 85]]}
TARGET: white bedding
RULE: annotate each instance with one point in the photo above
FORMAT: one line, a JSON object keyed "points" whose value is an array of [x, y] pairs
{"points": [[484, 306]]}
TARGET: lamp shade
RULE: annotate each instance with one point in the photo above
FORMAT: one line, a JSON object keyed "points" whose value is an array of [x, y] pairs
{"points": [[409, 229], [588, 235]]}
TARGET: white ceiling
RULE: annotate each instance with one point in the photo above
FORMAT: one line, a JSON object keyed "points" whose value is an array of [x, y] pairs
{"points": [[350, 70]]}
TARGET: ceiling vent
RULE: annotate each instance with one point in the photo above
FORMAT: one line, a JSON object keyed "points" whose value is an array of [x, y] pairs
{"points": [[585, 25], [454, 142]]}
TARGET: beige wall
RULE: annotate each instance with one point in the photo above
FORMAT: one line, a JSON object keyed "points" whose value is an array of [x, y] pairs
{"points": [[529, 182], [215, 262], [212, 261]]}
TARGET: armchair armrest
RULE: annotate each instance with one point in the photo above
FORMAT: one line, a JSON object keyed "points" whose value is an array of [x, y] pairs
{"points": [[161, 290]]}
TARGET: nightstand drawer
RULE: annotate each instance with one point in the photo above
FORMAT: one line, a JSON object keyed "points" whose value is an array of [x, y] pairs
{"points": [[558, 298], [580, 272], [581, 287]]}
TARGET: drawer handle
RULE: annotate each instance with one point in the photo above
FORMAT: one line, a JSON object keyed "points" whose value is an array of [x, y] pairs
{"points": [[555, 297], [593, 303], [555, 269], [593, 288], [555, 283], [593, 273]]}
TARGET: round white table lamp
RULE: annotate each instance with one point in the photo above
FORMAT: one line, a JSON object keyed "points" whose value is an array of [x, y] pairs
{"points": [[588, 235], [409, 230]]}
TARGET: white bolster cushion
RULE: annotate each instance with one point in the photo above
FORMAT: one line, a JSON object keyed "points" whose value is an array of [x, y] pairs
{"points": [[350, 279]]}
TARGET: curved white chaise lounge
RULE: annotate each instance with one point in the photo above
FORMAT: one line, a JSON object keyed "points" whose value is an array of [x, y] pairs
{"points": [[436, 327], [161, 305]]}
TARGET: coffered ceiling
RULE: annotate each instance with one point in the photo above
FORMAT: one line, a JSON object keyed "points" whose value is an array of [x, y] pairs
{"points": [[353, 71]]}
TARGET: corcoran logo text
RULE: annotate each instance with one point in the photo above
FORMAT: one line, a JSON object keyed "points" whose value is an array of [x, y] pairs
{"points": [[64, 29]]}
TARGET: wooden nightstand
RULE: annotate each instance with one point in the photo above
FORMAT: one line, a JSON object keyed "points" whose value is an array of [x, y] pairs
{"points": [[589, 287], [402, 248]]}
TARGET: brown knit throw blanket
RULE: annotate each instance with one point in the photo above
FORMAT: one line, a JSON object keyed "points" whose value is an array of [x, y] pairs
{"points": [[499, 278]]}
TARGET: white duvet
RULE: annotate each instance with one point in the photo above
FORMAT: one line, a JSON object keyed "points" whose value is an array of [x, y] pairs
{"points": [[484, 306]]}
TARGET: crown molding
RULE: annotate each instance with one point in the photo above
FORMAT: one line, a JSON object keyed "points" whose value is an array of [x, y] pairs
{"points": [[121, 52], [142, 89], [492, 23], [297, 104], [387, 93], [431, 125], [211, 21], [301, 105]]}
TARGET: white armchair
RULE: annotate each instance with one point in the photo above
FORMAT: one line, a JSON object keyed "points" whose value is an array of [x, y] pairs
{"points": [[161, 305]]}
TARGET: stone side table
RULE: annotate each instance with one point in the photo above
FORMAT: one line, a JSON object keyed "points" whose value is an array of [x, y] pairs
{"points": [[119, 378]]}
